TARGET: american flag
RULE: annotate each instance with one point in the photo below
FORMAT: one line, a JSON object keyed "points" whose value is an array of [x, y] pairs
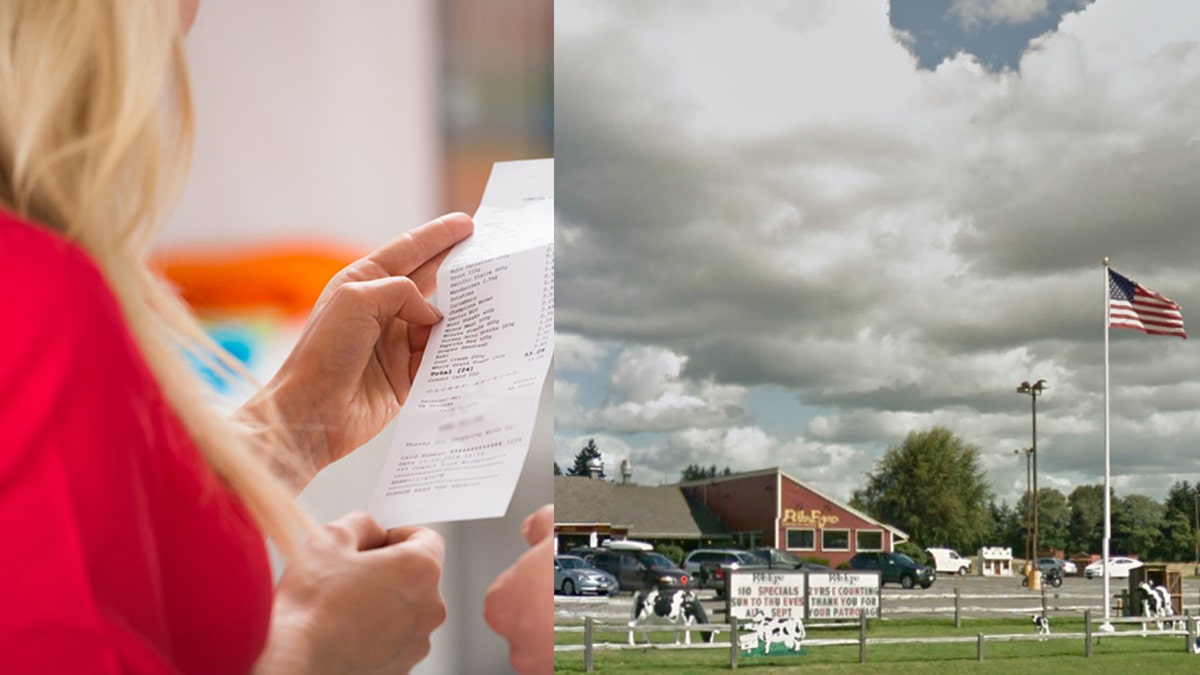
{"points": [[1132, 305]]}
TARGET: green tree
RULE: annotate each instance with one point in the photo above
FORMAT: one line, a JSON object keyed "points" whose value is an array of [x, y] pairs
{"points": [[931, 486], [587, 454], [698, 472], [1054, 521], [1176, 543], [1137, 525], [1007, 528], [1180, 536], [557, 469], [1086, 528]]}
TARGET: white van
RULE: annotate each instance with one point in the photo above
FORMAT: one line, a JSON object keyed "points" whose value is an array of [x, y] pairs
{"points": [[947, 560]]}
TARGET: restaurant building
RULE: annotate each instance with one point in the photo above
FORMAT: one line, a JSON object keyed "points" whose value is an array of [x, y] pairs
{"points": [[773, 508], [768, 507]]}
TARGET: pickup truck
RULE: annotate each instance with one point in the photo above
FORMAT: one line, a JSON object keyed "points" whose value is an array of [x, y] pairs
{"points": [[895, 568], [714, 575]]}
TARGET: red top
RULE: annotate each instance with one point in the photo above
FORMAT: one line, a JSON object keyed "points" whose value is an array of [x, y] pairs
{"points": [[122, 552]]}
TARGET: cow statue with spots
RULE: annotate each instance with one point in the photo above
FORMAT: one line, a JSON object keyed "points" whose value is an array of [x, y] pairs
{"points": [[786, 631], [678, 606], [1156, 602]]}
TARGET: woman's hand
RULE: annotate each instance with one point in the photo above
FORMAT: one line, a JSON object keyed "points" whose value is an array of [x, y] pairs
{"points": [[354, 363], [519, 606], [362, 600]]}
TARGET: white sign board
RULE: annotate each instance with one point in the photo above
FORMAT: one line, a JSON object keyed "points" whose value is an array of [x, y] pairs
{"points": [[843, 595], [769, 607], [774, 593]]}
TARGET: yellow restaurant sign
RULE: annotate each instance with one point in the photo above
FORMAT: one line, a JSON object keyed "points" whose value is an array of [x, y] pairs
{"points": [[810, 518]]}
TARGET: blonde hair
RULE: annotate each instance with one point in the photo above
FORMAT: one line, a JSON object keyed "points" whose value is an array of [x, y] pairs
{"points": [[95, 138]]}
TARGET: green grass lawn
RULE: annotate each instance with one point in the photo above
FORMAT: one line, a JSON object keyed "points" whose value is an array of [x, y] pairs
{"points": [[1142, 656]]}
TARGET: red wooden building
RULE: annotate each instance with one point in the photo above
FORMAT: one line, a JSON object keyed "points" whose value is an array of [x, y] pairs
{"points": [[771, 508], [746, 510]]}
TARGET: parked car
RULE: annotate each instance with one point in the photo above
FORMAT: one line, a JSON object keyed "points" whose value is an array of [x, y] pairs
{"points": [[636, 569], [777, 557], [585, 552], [733, 557], [573, 574], [709, 568], [895, 568], [948, 561], [1118, 567], [1064, 566]]}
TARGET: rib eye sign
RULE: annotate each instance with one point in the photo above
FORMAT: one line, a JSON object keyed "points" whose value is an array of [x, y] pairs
{"points": [[772, 605], [843, 595]]}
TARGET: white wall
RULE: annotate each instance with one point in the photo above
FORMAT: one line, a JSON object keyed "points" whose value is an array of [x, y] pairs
{"points": [[318, 118], [314, 117]]}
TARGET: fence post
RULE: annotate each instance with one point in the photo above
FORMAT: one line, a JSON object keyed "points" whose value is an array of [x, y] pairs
{"points": [[1087, 633], [587, 643], [734, 643], [1191, 630], [957, 609], [979, 646], [862, 637], [1043, 600]]}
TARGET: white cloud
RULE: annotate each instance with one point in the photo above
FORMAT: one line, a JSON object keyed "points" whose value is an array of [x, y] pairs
{"points": [[576, 353], [643, 374], [769, 198], [647, 391]]}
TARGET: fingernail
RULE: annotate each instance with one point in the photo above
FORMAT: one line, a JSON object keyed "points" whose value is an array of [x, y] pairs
{"points": [[436, 312]]}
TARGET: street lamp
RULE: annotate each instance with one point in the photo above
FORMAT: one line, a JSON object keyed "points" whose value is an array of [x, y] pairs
{"points": [[1034, 390], [1028, 498]]}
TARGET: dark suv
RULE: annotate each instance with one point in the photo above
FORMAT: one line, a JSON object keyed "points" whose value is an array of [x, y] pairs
{"points": [[894, 568], [636, 570]]}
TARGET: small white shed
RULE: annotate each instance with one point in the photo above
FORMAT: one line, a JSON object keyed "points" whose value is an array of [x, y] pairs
{"points": [[995, 561]]}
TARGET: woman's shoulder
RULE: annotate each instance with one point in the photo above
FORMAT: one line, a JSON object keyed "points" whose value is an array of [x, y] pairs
{"points": [[47, 277], [37, 257]]}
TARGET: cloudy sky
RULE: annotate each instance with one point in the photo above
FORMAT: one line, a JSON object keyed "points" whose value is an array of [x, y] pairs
{"points": [[789, 233]]}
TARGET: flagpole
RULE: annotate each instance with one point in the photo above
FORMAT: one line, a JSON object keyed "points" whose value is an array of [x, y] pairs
{"points": [[1107, 625]]}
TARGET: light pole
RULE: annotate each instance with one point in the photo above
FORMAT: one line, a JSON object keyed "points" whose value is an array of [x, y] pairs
{"points": [[1028, 498], [1034, 390]]}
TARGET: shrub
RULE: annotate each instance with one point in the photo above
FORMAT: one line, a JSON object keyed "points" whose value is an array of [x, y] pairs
{"points": [[815, 559], [844, 566], [913, 551], [675, 553]]}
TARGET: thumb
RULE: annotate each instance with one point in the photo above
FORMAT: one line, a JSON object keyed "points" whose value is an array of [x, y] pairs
{"points": [[538, 525]]}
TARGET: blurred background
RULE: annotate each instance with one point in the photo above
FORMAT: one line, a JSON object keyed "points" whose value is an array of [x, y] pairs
{"points": [[325, 128]]}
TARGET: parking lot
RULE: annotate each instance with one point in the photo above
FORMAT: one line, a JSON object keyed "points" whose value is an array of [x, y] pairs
{"points": [[1000, 596]]}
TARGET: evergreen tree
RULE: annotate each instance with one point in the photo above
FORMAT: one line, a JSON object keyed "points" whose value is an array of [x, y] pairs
{"points": [[698, 472], [1007, 528], [1176, 543], [557, 469], [1180, 535], [582, 458]]}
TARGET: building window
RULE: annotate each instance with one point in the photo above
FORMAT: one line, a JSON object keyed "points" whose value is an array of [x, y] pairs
{"points": [[802, 540], [868, 540], [835, 540]]}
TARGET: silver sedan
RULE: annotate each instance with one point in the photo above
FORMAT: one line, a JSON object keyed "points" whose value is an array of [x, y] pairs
{"points": [[575, 575]]}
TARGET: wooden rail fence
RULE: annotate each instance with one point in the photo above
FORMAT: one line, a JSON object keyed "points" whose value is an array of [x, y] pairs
{"points": [[1089, 636]]}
